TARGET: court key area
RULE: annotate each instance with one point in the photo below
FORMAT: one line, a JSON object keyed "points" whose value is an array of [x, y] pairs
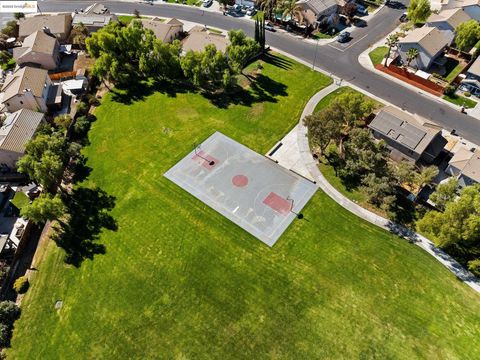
{"points": [[254, 192]]}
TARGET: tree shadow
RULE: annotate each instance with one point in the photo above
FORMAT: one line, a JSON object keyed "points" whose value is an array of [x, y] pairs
{"points": [[138, 91], [89, 214], [277, 61], [80, 170]]}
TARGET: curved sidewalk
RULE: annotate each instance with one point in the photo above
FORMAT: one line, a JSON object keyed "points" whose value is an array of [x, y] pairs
{"points": [[421, 241]]}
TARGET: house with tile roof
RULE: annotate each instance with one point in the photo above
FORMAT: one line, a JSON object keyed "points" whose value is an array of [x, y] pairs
{"points": [[164, 31], [430, 43], [17, 129], [27, 88], [38, 49], [199, 37]]}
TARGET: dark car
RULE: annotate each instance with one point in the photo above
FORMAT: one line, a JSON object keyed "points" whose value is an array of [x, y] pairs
{"points": [[343, 37], [404, 17]]}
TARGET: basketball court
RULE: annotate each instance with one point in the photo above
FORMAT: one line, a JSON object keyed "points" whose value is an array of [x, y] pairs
{"points": [[254, 192]]}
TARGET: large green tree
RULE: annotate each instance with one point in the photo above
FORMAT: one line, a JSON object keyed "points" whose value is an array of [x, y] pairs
{"points": [[419, 11], [241, 50], [323, 127], [458, 224], [467, 34], [162, 61], [445, 193], [44, 158], [43, 208]]}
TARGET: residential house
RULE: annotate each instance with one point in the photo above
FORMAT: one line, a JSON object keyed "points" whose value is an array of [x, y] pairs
{"points": [[38, 49], [17, 129], [93, 22], [471, 7], [471, 82], [318, 12], [430, 43], [465, 166], [59, 25], [409, 137], [199, 37], [448, 20], [164, 31], [27, 88]]}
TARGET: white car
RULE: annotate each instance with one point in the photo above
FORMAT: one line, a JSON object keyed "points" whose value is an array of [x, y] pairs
{"points": [[251, 11], [207, 3]]}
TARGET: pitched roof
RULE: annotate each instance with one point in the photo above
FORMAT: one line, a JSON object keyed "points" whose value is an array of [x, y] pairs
{"points": [[174, 21], [22, 79], [93, 19], [460, 3], [18, 128], [38, 42], [199, 38], [474, 69], [430, 39], [58, 24], [317, 6], [453, 17], [159, 28], [468, 163], [411, 131]]}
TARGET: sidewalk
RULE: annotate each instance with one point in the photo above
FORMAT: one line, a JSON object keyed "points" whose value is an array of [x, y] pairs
{"points": [[419, 240]]}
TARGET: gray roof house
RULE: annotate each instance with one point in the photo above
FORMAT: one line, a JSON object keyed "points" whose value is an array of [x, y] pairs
{"points": [[409, 137], [471, 82], [316, 11], [27, 88], [471, 7], [465, 165], [17, 129], [430, 43], [59, 25], [164, 31], [93, 22], [38, 49], [448, 19]]}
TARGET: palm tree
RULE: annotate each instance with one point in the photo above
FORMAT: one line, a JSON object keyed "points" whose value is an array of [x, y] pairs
{"points": [[392, 41], [412, 54], [292, 9], [268, 7]]}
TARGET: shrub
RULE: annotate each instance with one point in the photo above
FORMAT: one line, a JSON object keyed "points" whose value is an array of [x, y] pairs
{"points": [[449, 90], [81, 127], [21, 285], [467, 94], [92, 100], [82, 108], [9, 312], [5, 335], [474, 266], [62, 121]]}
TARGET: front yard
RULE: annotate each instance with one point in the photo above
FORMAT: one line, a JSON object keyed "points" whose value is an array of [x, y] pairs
{"points": [[378, 55], [460, 101]]}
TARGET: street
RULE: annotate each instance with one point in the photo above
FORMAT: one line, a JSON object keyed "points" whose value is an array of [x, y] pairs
{"points": [[339, 60]]}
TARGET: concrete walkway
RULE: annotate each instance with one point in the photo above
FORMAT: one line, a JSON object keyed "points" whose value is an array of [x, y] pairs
{"points": [[419, 240]]}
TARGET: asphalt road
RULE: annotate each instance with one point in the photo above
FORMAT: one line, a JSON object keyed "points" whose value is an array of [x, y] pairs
{"points": [[340, 60]]}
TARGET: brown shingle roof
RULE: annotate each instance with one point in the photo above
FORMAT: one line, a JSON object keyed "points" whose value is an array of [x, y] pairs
{"points": [[18, 128], [453, 17], [430, 39], [199, 38], [58, 24], [38, 42], [22, 79]]}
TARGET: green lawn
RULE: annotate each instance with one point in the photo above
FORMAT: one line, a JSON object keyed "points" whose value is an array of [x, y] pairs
{"points": [[20, 200], [378, 55], [127, 19], [340, 91], [179, 281], [453, 67], [460, 101], [320, 35], [9, 65]]}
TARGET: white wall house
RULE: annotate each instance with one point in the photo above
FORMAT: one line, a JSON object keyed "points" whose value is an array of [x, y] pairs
{"points": [[26, 88]]}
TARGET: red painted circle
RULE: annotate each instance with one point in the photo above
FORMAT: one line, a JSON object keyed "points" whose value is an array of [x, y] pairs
{"points": [[240, 180]]}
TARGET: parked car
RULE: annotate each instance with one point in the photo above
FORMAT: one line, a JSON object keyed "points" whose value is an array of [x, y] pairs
{"points": [[207, 3], [269, 27], [343, 37], [404, 17], [237, 8], [251, 11], [362, 10]]}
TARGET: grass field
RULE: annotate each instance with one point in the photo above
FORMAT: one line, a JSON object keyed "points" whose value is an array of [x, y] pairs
{"points": [[377, 55], [460, 101], [179, 281]]}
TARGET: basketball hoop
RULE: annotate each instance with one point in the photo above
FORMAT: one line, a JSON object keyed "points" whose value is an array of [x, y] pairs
{"points": [[196, 148], [298, 215]]}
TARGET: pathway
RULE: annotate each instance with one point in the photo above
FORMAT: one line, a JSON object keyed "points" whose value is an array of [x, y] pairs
{"points": [[421, 241]]}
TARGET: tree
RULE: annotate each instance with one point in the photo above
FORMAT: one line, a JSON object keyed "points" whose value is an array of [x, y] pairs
{"points": [[5, 57], [467, 34], [268, 7], [405, 173], [5, 335], [392, 41], [474, 266], [445, 193], [43, 209], [351, 109], [260, 30], [418, 11], [291, 8], [79, 34], [412, 54], [162, 62], [43, 159], [19, 15], [458, 224], [62, 121], [9, 312], [10, 29], [380, 190], [21, 285], [350, 9], [225, 3], [426, 176], [322, 128], [241, 50]]}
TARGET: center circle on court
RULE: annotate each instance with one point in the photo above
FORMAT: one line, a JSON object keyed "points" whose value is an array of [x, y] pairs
{"points": [[240, 180]]}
